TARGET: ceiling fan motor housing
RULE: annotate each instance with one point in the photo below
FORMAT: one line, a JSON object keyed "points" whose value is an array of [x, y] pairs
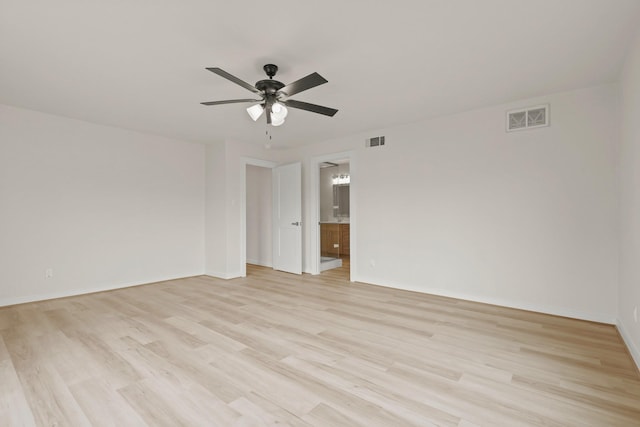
{"points": [[269, 87]]}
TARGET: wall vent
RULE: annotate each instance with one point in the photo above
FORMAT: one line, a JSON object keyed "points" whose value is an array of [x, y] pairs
{"points": [[376, 141], [528, 118]]}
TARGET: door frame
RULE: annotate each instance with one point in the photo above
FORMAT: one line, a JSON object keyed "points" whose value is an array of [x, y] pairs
{"points": [[244, 161], [314, 210]]}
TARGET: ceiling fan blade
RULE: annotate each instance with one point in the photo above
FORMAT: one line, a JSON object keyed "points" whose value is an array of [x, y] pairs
{"points": [[312, 80], [230, 101], [310, 107], [233, 78]]}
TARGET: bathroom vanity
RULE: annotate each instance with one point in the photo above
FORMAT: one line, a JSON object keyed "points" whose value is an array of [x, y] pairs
{"points": [[334, 238]]}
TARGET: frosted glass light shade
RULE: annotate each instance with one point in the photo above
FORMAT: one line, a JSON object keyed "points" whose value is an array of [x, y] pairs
{"points": [[255, 111], [278, 111], [276, 121]]}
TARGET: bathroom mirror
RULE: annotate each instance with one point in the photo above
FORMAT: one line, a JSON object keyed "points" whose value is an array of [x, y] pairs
{"points": [[341, 200]]}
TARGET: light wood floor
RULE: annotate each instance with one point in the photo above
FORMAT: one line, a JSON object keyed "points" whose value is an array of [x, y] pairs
{"points": [[277, 349]]}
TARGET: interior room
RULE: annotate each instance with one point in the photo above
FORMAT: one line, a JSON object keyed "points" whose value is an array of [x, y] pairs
{"points": [[410, 213]]}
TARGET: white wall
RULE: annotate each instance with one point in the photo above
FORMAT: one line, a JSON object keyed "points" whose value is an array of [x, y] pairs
{"points": [[102, 207], [525, 219], [457, 206], [259, 205], [629, 298], [215, 210]]}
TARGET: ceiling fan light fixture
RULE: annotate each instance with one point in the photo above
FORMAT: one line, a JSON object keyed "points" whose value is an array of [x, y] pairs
{"points": [[255, 111], [276, 121], [278, 111]]}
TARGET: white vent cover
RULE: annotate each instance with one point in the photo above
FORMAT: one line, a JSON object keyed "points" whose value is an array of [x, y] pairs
{"points": [[528, 118], [376, 141]]}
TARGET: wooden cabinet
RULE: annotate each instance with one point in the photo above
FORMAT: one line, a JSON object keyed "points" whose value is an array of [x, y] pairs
{"points": [[344, 239], [334, 239], [330, 240]]}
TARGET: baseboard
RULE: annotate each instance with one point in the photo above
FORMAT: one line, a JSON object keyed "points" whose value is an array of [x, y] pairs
{"points": [[545, 309], [328, 265], [261, 263], [76, 292], [225, 276], [626, 337]]}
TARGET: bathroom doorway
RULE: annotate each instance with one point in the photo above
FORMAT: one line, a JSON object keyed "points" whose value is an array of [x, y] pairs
{"points": [[335, 214]]}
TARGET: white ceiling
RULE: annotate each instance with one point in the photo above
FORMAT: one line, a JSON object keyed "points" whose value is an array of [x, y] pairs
{"points": [[141, 64]]}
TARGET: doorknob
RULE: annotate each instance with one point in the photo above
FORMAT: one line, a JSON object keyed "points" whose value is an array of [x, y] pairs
{"points": [[296, 223]]}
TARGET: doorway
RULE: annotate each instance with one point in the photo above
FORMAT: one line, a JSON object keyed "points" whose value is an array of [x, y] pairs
{"points": [[332, 214], [258, 216], [271, 215], [255, 239]]}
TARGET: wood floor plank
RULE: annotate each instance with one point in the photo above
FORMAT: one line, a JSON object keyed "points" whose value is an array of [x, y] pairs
{"points": [[254, 406], [103, 405], [275, 349], [14, 408], [326, 415]]}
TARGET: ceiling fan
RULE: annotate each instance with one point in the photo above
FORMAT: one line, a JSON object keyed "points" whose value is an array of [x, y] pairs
{"points": [[274, 95]]}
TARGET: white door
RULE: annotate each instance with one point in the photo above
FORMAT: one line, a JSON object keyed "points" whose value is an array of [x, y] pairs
{"points": [[287, 218]]}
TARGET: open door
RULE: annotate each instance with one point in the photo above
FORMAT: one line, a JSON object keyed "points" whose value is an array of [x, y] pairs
{"points": [[287, 218]]}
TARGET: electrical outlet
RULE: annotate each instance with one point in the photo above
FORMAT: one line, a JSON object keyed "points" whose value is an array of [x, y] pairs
{"points": [[372, 262], [336, 245], [48, 273], [635, 314]]}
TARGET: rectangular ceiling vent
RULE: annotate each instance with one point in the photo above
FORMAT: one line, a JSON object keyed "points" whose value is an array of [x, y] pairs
{"points": [[377, 141], [528, 118]]}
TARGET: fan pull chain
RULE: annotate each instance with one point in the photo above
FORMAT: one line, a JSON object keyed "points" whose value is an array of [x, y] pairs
{"points": [[267, 145]]}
